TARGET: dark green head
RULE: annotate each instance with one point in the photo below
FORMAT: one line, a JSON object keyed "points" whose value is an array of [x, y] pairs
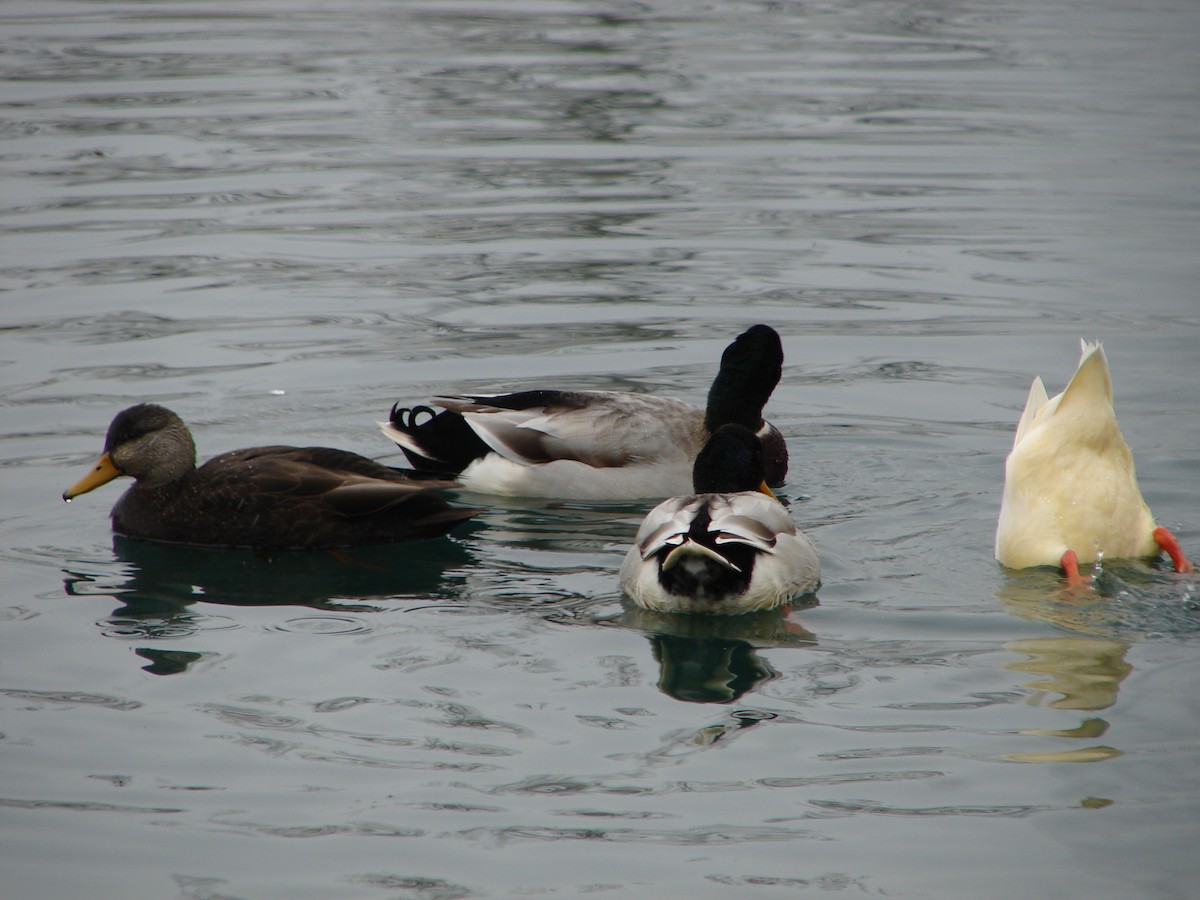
{"points": [[731, 461], [750, 368]]}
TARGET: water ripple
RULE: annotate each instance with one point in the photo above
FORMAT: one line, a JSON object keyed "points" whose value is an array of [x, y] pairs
{"points": [[824, 883], [325, 625], [242, 716], [1018, 811], [151, 627], [86, 806], [690, 837], [375, 762], [340, 704], [82, 698], [415, 886], [286, 216], [363, 829], [848, 778]]}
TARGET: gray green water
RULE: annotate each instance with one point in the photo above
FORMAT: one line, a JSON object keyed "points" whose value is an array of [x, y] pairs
{"points": [[278, 218]]}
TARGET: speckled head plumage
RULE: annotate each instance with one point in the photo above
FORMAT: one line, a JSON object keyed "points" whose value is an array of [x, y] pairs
{"points": [[138, 421], [150, 443]]}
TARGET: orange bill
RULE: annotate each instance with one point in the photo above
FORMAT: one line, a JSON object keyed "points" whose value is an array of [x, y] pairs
{"points": [[764, 488], [104, 472]]}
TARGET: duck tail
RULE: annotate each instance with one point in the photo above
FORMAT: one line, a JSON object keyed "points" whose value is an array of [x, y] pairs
{"points": [[1089, 394], [433, 441]]}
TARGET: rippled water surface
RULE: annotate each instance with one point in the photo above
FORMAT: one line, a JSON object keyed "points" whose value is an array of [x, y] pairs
{"points": [[278, 218]]}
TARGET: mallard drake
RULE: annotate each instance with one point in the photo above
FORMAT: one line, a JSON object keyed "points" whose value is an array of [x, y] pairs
{"points": [[268, 498], [729, 547], [597, 445], [1070, 491]]}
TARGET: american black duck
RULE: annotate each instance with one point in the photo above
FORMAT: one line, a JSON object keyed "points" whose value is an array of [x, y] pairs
{"points": [[268, 498]]}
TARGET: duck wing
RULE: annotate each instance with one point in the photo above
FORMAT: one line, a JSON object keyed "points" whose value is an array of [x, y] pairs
{"points": [[348, 484], [667, 525], [601, 429], [749, 518]]}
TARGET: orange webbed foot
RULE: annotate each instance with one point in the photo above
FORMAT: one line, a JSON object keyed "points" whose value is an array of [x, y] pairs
{"points": [[1167, 541], [1070, 565]]}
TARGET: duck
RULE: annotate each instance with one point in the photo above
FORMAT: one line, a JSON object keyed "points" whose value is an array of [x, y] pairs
{"points": [[264, 498], [594, 445], [728, 547], [1071, 495]]}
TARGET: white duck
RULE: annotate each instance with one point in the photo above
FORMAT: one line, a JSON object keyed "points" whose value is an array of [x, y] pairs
{"points": [[1070, 491], [728, 548], [596, 445]]}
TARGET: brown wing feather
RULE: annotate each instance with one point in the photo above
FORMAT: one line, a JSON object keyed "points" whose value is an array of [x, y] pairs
{"points": [[289, 497]]}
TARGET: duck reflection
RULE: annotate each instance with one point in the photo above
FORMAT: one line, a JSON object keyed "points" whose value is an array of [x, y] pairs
{"points": [[1081, 673], [1082, 670], [707, 670], [168, 662], [159, 586], [162, 580], [713, 659], [1085, 673]]}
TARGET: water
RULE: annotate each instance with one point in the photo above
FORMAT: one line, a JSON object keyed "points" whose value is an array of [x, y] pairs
{"points": [[279, 218]]}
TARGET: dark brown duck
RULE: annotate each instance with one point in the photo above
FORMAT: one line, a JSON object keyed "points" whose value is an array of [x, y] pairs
{"points": [[267, 498]]}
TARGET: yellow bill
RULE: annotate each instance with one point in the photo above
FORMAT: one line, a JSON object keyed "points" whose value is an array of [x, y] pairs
{"points": [[104, 472]]}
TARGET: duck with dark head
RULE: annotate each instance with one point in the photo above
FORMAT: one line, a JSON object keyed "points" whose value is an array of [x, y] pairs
{"points": [[595, 445], [267, 498]]}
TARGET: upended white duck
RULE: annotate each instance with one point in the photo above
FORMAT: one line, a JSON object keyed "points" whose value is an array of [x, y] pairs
{"points": [[728, 548], [595, 445], [1070, 490]]}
